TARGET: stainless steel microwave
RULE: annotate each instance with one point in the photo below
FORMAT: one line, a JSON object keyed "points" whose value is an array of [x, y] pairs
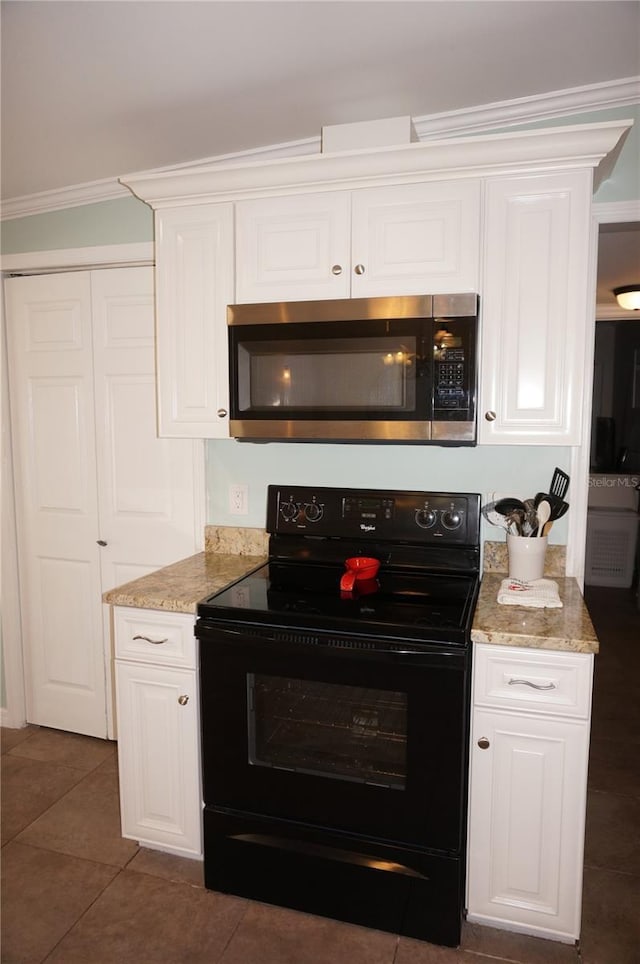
{"points": [[357, 370]]}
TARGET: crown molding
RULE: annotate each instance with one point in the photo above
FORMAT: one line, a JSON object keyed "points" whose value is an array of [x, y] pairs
{"points": [[64, 197], [530, 110], [529, 151], [473, 120]]}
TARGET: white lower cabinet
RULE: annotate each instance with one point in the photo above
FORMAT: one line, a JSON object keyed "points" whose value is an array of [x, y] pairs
{"points": [[158, 741], [528, 776]]}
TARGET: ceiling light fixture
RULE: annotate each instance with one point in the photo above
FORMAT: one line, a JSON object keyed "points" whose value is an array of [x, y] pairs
{"points": [[628, 296]]}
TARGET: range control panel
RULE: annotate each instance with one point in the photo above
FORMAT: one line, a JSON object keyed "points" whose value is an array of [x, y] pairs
{"points": [[451, 518]]}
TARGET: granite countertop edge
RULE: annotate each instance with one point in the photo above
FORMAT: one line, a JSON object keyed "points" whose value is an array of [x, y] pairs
{"points": [[179, 588], [565, 629]]}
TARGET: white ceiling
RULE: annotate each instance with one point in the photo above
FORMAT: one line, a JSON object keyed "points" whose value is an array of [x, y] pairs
{"points": [[92, 90]]}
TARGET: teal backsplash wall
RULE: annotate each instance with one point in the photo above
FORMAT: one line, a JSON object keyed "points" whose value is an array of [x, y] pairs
{"points": [[519, 470]]}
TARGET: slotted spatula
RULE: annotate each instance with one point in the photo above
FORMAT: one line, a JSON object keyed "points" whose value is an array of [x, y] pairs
{"points": [[559, 484]]}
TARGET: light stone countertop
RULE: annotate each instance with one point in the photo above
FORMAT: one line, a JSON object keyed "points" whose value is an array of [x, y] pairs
{"points": [[178, 588], [568, 629], [230, 553]]}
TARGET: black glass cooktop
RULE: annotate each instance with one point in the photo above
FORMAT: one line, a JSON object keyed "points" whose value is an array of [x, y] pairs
{"points": [[397, 604]]}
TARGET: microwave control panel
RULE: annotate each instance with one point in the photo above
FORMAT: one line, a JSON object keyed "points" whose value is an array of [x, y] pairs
{"points": [[454, 369]]}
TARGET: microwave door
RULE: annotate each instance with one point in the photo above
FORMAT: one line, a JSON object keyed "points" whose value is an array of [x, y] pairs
{"points": [[351, 380]]}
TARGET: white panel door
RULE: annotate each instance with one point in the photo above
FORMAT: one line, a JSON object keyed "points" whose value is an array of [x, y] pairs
{"points": [[293, 248], [535, 311], [416, 239], [526, 826], [51, 385], [147, 485], [90, 469]]}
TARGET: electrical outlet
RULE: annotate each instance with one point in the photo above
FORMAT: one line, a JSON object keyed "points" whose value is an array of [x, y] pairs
{"points": [[239, 498]]}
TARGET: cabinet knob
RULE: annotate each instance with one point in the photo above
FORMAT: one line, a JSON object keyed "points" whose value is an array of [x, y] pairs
{"points": [[183, 700], [154, 642], [490, 416], [101, 542], [359, 269], [222, 412], [336, 269], [483, 743]]}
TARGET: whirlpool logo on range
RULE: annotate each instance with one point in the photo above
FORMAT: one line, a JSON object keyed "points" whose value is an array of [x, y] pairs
{"points": [[367, 527]]}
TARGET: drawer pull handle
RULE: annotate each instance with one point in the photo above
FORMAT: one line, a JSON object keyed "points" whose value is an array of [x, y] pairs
{"points": [[183, 700], [154, 642], [535, 686]]}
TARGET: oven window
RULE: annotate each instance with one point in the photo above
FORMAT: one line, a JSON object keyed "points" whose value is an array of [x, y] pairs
{"points": [[344, 732], [339, 374]]}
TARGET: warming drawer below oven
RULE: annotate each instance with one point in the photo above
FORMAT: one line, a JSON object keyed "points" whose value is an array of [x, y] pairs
{"points": [[366, 882]]}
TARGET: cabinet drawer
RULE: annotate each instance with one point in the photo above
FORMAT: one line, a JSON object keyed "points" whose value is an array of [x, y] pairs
{"points": [[548, 682], [150, 636]]}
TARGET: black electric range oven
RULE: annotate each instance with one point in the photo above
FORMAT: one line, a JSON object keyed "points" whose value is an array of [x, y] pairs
{"points": [[335, 722]]}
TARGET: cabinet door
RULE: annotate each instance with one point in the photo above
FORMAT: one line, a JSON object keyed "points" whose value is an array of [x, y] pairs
{"points": [[534, 309], [526, 822], [158, 759], [416, 239], [194, 285], [293, 248]]}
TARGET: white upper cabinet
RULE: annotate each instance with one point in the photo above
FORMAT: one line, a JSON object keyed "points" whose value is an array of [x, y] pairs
{"points": [[406, 239], [506, 215], [416, 239], [534, 308], [194, 285], [293, 248]]}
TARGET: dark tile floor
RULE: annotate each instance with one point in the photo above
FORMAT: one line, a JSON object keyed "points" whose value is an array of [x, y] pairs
{"points": [[75, 892]]}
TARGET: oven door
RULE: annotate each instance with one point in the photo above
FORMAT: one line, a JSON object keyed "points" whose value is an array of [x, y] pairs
{"points": [[346, 734]]}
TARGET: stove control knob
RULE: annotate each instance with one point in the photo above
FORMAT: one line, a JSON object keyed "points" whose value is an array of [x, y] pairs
{"points": [[452, 518], [289, 511], [313, 511], [425, 518]]}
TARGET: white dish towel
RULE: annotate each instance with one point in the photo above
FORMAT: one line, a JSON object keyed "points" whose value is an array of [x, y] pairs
{"points": [[539, 593]]}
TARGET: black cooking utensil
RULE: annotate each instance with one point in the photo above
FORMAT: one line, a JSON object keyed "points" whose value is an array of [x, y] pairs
{"points": [[507, 505], [559, 484], [558, 506]]}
